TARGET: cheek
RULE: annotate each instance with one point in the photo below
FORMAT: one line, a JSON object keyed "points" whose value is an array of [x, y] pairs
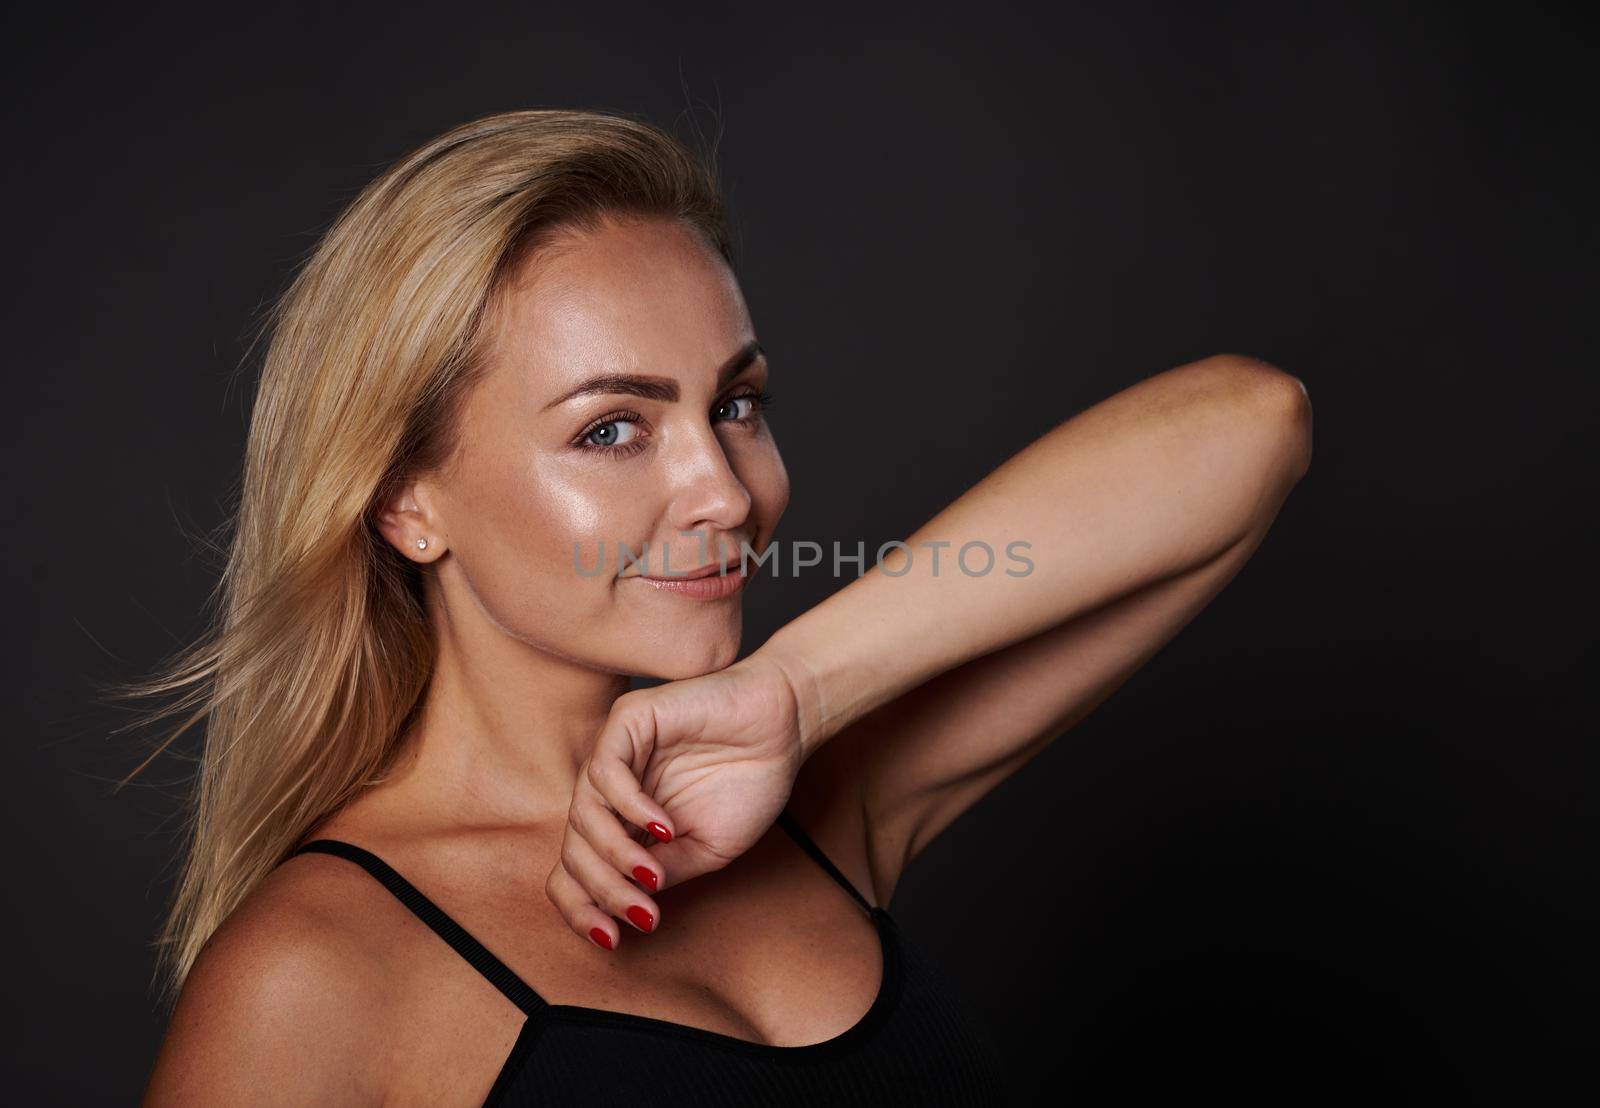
{"points": [[768, 483], [518, 523], [561, 510]]}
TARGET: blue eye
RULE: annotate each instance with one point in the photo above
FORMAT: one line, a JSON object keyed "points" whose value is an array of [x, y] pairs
{"points": [[606, 435], [758, 401], [733, 402]]}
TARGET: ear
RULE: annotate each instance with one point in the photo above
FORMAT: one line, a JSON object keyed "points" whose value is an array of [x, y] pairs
{"points": [[407, 520]]}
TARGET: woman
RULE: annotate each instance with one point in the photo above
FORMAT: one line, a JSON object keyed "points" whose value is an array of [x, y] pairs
{"points": [[521, 351]]}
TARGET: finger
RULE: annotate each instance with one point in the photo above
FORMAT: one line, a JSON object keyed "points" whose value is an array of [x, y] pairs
{"points": [[600, 827], [635, 832], [629, 733], [684, 858], [580, 912], [606, 887]]}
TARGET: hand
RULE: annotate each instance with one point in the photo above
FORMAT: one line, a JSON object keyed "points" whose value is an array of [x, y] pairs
{"points": [[709, 760]]}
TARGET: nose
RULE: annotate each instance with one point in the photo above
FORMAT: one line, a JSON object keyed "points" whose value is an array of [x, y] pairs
{"points": [[707, 495]]}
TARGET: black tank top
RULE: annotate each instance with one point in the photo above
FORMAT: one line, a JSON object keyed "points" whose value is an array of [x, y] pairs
{"points": [[917, 1044]]}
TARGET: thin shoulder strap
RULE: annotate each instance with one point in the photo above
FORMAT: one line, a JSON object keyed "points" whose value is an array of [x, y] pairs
{"points": [[498, 973], [787, 822]]}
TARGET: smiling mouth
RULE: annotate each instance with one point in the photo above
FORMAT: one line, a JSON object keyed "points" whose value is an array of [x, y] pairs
{"points": [[694, 574], [705, 584]]}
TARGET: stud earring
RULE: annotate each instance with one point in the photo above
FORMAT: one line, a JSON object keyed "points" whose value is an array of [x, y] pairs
{"points": [[422, 544]]}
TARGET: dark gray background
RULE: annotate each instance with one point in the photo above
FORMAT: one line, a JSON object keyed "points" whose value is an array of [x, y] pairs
{"points": [[1335, 842]]}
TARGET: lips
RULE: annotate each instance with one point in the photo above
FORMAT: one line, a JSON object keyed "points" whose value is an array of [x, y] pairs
{"points": [[690, 575], [707, 586]]}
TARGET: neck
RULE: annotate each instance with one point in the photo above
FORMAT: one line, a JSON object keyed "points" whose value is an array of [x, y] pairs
{"points": [[504, 729]]}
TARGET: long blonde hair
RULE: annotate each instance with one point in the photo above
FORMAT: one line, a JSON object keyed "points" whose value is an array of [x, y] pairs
{"points": [[318, 654]]}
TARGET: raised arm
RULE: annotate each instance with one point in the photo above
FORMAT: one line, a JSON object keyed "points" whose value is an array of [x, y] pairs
{"points": [[910, 693], [1137, 512]]}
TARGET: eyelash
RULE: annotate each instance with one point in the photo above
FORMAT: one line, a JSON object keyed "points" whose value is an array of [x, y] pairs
{"points": [[763, 403]]}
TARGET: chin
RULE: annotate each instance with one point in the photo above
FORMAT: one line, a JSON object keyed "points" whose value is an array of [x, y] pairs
{"points": [[692, 659]]}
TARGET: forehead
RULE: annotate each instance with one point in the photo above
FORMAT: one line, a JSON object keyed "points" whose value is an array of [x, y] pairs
{"points": [[647, 296]]}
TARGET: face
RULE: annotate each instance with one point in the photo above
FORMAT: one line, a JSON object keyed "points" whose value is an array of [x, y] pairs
{"points": [[679, 467]]}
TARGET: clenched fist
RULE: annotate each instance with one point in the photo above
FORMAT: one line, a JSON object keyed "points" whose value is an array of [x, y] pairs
{"points": [[683, 778]]}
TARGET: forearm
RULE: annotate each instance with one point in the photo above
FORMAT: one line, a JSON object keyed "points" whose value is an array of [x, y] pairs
{"points": [[1153, 481]]}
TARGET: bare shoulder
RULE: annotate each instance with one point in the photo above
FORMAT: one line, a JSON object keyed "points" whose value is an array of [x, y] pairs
{"points": [[286, 1002]]}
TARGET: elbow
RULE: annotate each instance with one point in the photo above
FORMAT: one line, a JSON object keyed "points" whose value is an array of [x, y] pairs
{"points": [[1278, 404], [1286, 405]]}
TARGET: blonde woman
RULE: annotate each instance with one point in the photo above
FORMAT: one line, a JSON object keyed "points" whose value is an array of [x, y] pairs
{"points": [[439, 853]]}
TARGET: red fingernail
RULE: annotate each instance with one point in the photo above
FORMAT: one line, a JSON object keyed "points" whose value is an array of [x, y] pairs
{"points": [[646, 876], [600, 936], [658, 831], [643, 920]]}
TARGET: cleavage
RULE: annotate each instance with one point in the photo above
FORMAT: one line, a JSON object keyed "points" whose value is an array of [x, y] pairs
{"points": [[770, 950]]}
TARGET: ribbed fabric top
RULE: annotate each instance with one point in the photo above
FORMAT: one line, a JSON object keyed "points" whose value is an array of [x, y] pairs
{"points": [[917, 1044]]}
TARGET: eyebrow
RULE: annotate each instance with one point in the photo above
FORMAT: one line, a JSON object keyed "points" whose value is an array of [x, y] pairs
{"points": [[657, 388]]}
